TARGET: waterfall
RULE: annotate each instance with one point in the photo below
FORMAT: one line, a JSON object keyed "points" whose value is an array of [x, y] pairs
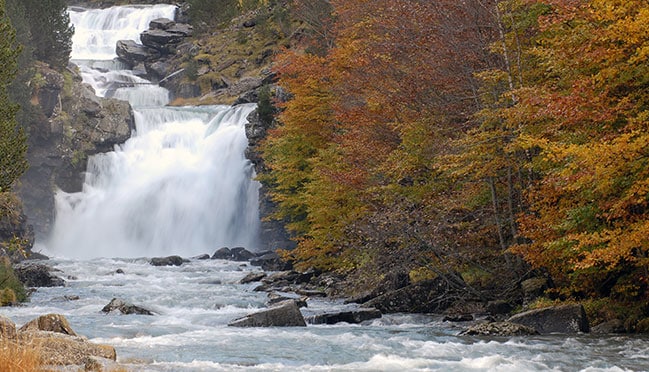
{"points": [[180, 185]]}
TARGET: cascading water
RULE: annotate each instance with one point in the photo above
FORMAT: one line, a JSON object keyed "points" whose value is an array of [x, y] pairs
{"points": [[180, 185]]}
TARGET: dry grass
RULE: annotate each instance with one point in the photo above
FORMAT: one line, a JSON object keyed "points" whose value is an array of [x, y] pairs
{"points": [[18, 358]]}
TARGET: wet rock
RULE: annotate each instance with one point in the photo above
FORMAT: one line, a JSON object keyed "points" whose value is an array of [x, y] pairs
{"points": [[51, 323], [165, 40], [554, 319], [499, 329], [37, 275], [119, 271], [133, 53], [253, 277], [202, 257], [124, 308], [352, 317], [60, 350], [271, 262], [234, 254], [286, 315], [7, 328], [167, 261], [458, 318], [161, 24]]}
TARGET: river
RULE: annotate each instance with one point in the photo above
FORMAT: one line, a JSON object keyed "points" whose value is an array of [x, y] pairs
{"points": [[181, 185]]}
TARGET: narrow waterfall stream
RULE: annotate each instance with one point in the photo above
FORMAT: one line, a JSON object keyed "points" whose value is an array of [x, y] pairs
{"points": [[181, 185]]}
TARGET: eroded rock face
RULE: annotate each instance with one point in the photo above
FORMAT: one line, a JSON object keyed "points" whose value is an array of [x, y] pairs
{"points": [[60, 143]]}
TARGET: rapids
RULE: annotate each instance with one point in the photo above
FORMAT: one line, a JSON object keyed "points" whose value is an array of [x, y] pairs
{"points": [[181, 185]]}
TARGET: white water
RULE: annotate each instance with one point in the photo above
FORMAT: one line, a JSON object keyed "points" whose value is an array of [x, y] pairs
{"points": [[180, 185], [170, 169]]}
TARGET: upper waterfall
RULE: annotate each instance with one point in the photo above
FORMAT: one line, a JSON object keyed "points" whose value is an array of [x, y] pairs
{"points": [[180, 185]]}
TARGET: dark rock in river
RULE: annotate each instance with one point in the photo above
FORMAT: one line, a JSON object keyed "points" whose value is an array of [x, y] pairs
{"points": [[352, 317], [554, 319], [167, 261], [276, 299], [286, 315], [234, 254], [133, 53], [37, 275], [612, 326], [124, 308], [253, 277], [499, 329]]}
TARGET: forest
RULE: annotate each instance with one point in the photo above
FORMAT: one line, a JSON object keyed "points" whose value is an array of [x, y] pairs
{"points": [[487, 138]]}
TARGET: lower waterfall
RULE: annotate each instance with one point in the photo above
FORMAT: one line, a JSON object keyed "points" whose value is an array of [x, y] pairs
{"points": [[180, 185]]}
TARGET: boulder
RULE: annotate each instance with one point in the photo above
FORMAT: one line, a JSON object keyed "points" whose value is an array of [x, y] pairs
{"points": [[286, 315], [124, 308], [133, 53], [612, 326], [271, 261], [253, 277], [37, 275], [427, 296], [351, 316], [158, 69], [554, 319], [234, 254], [165, 40], [161, 24], [204, 256], [499, 329], [7, 328], [167, 261], [50, 323], [59, 349]]}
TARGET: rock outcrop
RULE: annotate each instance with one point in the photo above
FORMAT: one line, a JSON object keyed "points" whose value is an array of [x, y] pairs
{"points": [[49, 323], [555, 319], [286, 315], [61, 139], [37, 275]]}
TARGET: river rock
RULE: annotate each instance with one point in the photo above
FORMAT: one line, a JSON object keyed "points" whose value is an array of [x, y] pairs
{"points": [[133, 53], [351, 316], [167, 261], [427, 296], [234, 254], [253, 277], [286, 315], [612, 326], [37, 275], [276, 299], [499, 329], [554, 319], [59, 349], [271, 261], [124, 308], [165, 40], [7, 328], [51, 323]]}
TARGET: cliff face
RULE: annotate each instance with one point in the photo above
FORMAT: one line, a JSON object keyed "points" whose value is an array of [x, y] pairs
{"points": [[74, 124]]}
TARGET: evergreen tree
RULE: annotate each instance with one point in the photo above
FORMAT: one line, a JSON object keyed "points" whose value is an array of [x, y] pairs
{"points": [[12, 138], [51, 32]]}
